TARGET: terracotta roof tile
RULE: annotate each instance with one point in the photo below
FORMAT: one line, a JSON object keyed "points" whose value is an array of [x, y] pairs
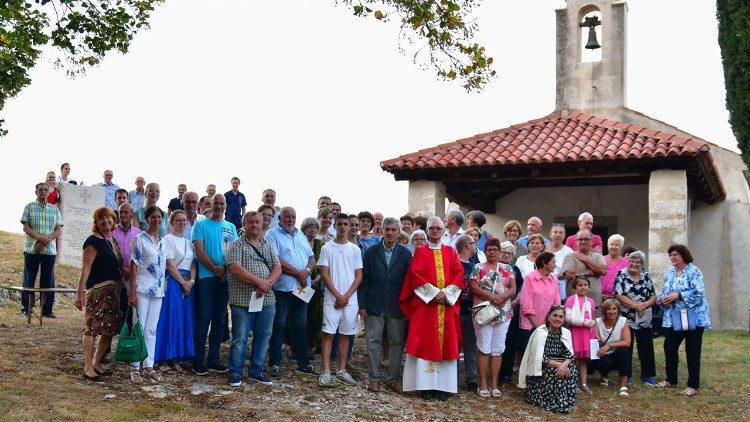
{"points": [[572, 137]]}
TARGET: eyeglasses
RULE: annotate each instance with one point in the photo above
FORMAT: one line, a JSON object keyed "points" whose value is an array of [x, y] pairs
{"points": [[180, 220], [506, 253], [434, 228], [558, 225], [584, 239]]}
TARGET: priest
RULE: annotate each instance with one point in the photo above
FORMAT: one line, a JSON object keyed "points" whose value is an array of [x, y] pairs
{"points": [[428, 300]]}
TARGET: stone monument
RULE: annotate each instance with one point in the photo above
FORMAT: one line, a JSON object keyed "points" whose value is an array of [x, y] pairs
{"points": [[77, 207]]}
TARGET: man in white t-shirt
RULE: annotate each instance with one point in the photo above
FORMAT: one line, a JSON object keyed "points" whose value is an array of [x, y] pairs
{"points": [[340, 266]]}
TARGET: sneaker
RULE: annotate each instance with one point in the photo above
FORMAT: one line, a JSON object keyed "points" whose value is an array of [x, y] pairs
{"points": [[218, 368], [308, 369], [326, 380], [274, 371], [50, 315], [235, 380], [345, 378], [649, 381], [262, 379], [604, 382], [200, 370], [624, 392]]}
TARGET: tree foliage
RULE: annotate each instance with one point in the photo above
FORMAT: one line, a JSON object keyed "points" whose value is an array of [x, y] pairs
{"points": [[734, 40], [445, 30], [84, 31]]}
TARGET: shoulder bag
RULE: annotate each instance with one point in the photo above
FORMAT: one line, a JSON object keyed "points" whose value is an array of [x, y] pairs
{"points": [[131, 346]]}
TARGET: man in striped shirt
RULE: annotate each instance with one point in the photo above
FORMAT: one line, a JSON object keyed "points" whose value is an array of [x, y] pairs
{"points": [[42, 224]]}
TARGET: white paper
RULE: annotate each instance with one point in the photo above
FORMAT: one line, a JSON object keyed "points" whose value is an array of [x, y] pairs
{"points": [[426, 292], [594, 345], [304, 293], [256, 303], [646, 316]]}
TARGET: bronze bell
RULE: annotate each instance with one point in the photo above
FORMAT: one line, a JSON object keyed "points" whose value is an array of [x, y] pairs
{"points": [[592, 43]]}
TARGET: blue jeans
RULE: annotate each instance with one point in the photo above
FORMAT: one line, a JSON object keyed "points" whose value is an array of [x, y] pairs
{"points": [[288, 305], [31, 264], [211, 300], [261, 323]]}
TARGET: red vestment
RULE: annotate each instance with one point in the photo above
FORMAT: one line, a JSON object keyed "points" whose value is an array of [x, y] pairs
{"points": [[431, 324]]}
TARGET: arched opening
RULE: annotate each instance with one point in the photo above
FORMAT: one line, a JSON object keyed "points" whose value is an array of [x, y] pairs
{"points": [[590, 17]]}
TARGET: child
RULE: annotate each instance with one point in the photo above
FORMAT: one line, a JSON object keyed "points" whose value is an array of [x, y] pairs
{"points": [[340, 266], [579, 314]]}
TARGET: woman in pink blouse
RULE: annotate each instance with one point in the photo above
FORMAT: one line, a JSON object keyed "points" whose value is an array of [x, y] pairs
{"points": [[538, 294], [614, 264]]}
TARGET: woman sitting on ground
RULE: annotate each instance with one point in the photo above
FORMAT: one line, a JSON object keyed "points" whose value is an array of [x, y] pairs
{"points": [[614, 340], [102, 278], [548, 371]]}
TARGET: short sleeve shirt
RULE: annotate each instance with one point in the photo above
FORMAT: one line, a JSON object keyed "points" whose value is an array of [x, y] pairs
{"points": [[216, 237], [241, 252], [638, 292], [342, 262], [179, 250], [595, 285], [149, 258], [106, 265], [43, 220], [235, 202]]}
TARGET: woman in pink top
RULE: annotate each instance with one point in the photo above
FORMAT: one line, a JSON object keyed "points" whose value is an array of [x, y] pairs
{"points": [[614, 264], [538, 294]]}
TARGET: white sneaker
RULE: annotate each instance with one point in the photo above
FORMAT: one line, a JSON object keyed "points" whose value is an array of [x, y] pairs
{"points": [[345, 378], [326, 380]]}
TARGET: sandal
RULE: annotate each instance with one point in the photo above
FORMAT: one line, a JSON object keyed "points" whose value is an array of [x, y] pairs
{"points": [[496, 393], [135, 376], [165, 368], [154, 375], [483, 393], [176, 367], [624, 392], [689, 392], [663, 384]]}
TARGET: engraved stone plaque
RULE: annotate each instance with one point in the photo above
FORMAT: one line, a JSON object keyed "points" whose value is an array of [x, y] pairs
{"points": [[77, 207]]}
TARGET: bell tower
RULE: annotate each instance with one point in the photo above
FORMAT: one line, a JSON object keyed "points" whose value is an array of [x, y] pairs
{"points": [[591, 54]]}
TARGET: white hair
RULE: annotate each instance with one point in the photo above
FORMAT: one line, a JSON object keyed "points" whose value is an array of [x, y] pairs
{"points": [[585, 215], [616, 238]]}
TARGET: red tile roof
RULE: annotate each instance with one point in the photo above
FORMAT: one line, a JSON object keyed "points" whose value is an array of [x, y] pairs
{"points": [[557, 138]]}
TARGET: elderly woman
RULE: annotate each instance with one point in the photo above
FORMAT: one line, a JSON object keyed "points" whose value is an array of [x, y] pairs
{"points": [[557, 246], [477, 219], [495, 283], [635, 292], [526, 263], [153, 191], [614, 262], [476, 235], [325, 219], [364, 238], [511, 356], [683, 297], [512, 231], [614, 339], [539, 293], [548, 372], [102, 278], [267, 212], [147, 284], [418, 238], [311, 227], [174, 333]]}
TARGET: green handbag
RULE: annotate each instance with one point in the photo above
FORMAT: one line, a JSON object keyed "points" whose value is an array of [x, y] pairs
{"points": [[131, 347]]}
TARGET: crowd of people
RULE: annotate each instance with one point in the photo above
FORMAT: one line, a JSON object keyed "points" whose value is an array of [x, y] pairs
{"points": [[555, 311]]}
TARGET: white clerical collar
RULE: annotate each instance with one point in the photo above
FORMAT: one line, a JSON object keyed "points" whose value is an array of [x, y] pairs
{"points": [[438, 245]]}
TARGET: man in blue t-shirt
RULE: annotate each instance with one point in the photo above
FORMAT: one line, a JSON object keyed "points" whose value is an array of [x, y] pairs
{"points": [[211, 238], [236, 204]]}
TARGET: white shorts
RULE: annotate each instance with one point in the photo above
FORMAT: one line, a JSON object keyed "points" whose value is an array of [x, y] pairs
{"points": [[491, 338], [342, 319]]}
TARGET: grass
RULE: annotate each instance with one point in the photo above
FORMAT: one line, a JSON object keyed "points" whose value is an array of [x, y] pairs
{"points": [[40, 379]]}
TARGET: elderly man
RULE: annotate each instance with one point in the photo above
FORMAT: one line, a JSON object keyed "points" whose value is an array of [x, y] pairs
{"points": [[454, 219], [587, 263], [585, 222], [42, 224], [137, 196], [124, 233], [176, 202], [211, 239], [432, 288], [109, 189], [533, 226], [377, 225], [190, 204], [385, 266], [269, 198], [297, 262], [253, 269]]}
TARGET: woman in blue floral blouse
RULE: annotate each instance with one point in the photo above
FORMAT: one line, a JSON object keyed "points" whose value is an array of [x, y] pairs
{"points": [[683, 289]]}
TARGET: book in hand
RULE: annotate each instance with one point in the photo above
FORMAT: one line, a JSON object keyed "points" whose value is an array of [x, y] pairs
{"points": [[305, 293]]}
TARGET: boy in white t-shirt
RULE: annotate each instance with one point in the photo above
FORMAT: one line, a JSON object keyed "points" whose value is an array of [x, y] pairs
{"points": [[340, 266]]}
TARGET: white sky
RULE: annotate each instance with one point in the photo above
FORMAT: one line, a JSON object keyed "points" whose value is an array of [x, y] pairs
{"points": [[305, 98]]}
